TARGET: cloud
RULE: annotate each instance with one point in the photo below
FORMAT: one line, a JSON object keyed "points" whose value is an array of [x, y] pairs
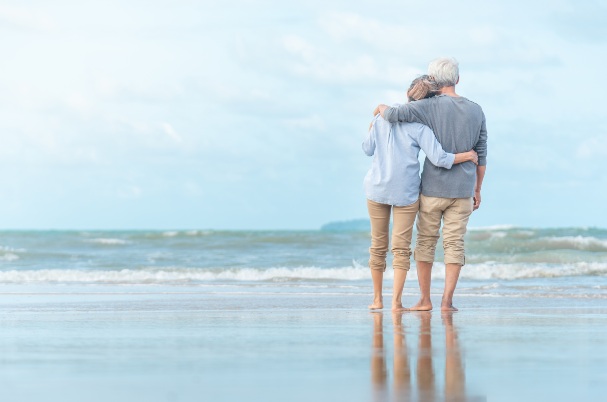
{"points": [[170, 131], [328, 65], [593, 147], [314, 122], [316, 62], [276, 98], [349, 26], [78, 102], [129, 192], [26, 18]]}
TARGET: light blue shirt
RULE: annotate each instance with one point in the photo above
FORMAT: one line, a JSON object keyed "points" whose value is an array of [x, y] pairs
{"points": [[394, 175]]}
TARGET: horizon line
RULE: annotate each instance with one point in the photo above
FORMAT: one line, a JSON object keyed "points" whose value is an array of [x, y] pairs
{"points": [[320, 228]]}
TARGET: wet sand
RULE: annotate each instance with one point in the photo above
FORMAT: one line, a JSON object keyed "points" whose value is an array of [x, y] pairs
{"points": [[125, 344]]}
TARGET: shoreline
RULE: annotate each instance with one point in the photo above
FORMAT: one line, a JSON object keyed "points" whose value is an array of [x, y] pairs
{"points": [[192, 347]]}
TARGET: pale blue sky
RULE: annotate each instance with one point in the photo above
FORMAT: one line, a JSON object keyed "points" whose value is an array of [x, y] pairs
{"points": [[250, 114]]}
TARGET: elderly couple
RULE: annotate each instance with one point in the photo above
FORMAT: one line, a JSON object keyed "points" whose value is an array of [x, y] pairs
{"points": [[451, 131]]}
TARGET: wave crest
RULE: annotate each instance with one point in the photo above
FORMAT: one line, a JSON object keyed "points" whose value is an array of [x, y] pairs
{"points": [[108, 241], [586, 243], [486, 271]]}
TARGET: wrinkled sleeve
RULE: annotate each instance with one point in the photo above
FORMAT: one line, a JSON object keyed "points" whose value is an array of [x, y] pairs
{"points": [[412, 112], [433, 149], [481, 145], [369, 142]]}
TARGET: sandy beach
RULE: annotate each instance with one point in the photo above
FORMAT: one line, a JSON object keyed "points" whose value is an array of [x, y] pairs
{"points": [[174, 344]]}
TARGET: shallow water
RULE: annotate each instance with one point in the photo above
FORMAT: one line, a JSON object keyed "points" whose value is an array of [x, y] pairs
{"points": [[569, 262], [275, 316], [133, 345]]}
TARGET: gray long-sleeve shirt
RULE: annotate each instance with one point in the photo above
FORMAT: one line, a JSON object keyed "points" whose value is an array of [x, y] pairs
{"points": [[459, 125]]}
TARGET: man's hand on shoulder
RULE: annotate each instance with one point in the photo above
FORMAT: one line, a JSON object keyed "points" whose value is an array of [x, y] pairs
{"points": [[380, 109]]}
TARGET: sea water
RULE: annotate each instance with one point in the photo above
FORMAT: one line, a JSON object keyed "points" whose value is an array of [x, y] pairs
{"points": [[518, 262], [274, 316]]}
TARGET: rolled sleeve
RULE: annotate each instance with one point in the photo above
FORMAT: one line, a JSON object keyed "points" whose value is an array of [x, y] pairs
{"points": [[369, 142], [433, 149], [448, 160], [481, 145]]}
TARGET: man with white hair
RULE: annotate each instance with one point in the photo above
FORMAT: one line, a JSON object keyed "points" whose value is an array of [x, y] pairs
{"points": [[447, 195]]}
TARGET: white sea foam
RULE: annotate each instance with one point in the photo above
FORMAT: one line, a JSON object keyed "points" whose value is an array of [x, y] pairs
{"points": [[528, 271], [578, 242], [491, 228], [9, 257], [8, 249], [169, 275], [108, 241], [498, 235], [487, 271], [199, 232], [189, 233], [10, 253]]}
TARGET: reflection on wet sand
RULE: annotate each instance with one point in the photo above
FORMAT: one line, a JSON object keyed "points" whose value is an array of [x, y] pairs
{"points": [[402, 371], [422, 385], [454, 368], [379, 372], [425, 369]]}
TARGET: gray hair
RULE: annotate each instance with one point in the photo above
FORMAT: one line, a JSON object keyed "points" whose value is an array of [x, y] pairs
{"points": [[444, 71]]}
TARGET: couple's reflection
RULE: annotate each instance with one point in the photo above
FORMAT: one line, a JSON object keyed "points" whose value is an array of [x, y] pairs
{"points": [[420, 385]]}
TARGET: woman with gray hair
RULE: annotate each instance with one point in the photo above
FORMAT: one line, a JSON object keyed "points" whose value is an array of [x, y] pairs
{"points": [[392, 185]]}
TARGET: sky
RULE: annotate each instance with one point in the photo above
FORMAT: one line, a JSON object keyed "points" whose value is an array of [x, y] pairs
{"points": [[250, 114]]}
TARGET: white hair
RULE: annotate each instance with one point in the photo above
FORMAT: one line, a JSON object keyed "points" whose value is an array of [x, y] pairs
{"points": [[444, 71]]}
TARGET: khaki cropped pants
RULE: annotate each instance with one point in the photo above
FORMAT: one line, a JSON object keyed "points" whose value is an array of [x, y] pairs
{"points": [[402, 229], [454, 213]]}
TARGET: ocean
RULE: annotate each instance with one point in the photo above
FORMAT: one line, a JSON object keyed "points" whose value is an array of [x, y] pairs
{"points": [[206, 315], [513, 261]]}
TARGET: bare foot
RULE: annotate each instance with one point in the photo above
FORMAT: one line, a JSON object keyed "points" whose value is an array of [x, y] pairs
{"points": [[447, 307], [422, 305], [377, 304], [398, 307]]}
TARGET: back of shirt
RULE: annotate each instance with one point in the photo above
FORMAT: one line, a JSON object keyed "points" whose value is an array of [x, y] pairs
{"points": [[459, 125]]}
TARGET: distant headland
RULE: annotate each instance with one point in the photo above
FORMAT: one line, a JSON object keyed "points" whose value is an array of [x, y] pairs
{"points": [[354, 225]]}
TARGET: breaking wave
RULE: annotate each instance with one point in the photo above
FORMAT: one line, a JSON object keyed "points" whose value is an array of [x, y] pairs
{"points": [[108, 241], [586, 243], [9, 257], [486, 271], [169, 275]]}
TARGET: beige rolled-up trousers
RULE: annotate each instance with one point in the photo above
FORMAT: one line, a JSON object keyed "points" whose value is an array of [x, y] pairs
{"points": [[402, 229], [454, 213]]}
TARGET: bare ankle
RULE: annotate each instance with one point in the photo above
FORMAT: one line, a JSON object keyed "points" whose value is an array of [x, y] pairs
{"points": [[447, 305], [377, 303], [422, 305]]}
